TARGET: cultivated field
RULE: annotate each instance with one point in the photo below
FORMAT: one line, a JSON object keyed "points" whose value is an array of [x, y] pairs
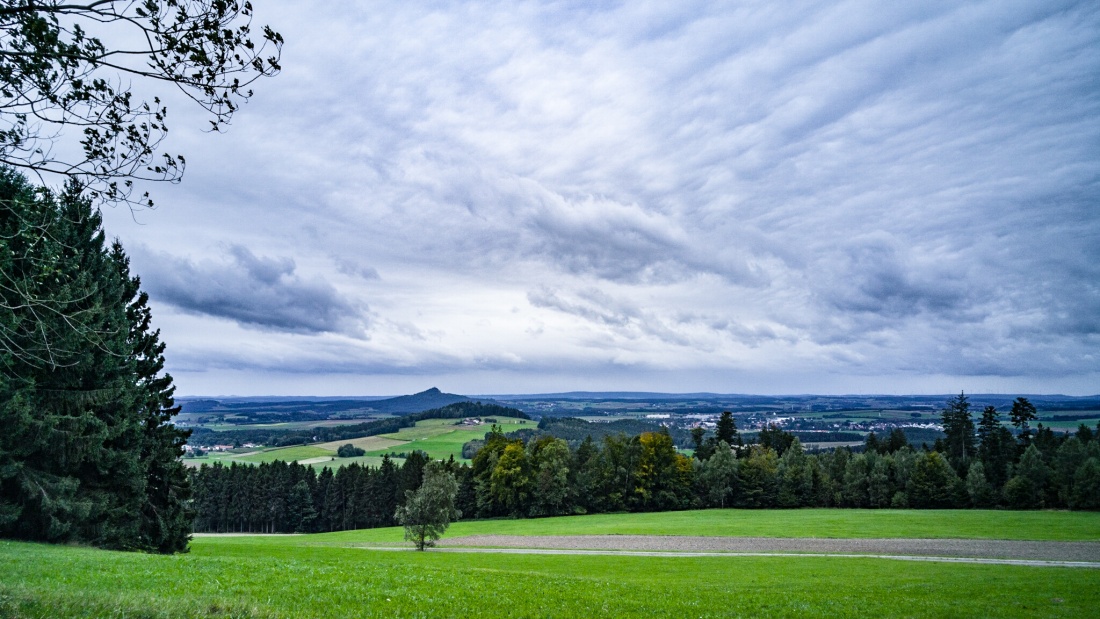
{"points": [[348, 574], [439, 438]]}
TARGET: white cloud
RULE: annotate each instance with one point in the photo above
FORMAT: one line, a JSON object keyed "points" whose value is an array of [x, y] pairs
{"points": [[728, 195]]}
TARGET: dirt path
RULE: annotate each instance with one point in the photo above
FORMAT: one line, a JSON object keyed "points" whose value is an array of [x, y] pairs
{"points": [[1078, 554]]}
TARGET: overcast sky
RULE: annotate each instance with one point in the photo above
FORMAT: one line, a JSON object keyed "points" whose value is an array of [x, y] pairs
{"points": [[747, 197]]}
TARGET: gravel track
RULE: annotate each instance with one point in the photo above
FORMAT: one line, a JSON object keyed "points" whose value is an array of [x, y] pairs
{"points": [[1088, 552]]}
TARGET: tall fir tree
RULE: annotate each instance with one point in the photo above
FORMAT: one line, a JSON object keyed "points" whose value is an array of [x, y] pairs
{"points": [[88, 453], [1023, 413], [958, 426], [996, 448], [726, 430]]}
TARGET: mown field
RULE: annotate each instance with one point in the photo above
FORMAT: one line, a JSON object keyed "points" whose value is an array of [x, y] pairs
{"points": [[328, 576], [834, 523]]}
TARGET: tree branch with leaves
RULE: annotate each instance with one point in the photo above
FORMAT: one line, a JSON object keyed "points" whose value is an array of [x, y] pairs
{"points": [[68, 67]]}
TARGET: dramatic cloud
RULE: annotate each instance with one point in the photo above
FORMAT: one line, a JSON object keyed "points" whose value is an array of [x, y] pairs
{"points": [[259, 292], [783, 196]]}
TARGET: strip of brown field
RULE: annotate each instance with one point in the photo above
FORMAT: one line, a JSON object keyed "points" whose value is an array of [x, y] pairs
{"points": [[959, 548]]}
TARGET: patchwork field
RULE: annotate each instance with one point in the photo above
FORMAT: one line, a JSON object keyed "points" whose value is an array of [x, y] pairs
{"points": [[367, 443], [439, 438], [335, 575]]}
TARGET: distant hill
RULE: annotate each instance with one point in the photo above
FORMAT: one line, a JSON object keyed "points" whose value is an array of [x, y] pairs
{"points": [[425, 400], [281, 409]]}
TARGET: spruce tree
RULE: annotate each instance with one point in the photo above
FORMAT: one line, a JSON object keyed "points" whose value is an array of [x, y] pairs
{"points": [[1086, 486], [996, 448], [726, 430], [795, 477], [87, 453], [1023, 412], [1027, 489], [959, 428]]}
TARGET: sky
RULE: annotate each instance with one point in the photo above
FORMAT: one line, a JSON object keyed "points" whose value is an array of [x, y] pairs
{"points": [[770, 197]]}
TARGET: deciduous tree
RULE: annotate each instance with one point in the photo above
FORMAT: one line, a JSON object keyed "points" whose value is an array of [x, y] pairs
{"points": [[719, 476], [429, 510]]}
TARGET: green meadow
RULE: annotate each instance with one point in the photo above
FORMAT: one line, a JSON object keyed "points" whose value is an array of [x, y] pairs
{"points": [[1073, 424], [828, 523], [333, 575]]}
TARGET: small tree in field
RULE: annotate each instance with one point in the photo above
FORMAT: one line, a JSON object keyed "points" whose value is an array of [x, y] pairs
{"points": [[429, 510]]}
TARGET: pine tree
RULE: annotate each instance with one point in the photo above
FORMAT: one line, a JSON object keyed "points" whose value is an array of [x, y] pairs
{"points": [[871, 443], [880, 483], [300, 510], [896, 441], [703, 449], [856, 480], [165, 516]]}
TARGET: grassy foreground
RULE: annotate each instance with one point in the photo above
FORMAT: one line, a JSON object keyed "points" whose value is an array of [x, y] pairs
{"points": [[324, 576]]}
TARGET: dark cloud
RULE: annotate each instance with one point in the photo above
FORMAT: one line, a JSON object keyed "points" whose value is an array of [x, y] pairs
{"points": [[873, 277], [254, 291], [351, 267]]}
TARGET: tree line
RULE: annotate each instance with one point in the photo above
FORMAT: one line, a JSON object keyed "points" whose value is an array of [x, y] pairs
{"points": [[545, 476]]}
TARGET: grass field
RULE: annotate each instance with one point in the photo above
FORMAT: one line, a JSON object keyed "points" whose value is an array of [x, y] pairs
{"points": [[834, 523], [1068, 426], [323, 576], [366, 443], [287, 454]]}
